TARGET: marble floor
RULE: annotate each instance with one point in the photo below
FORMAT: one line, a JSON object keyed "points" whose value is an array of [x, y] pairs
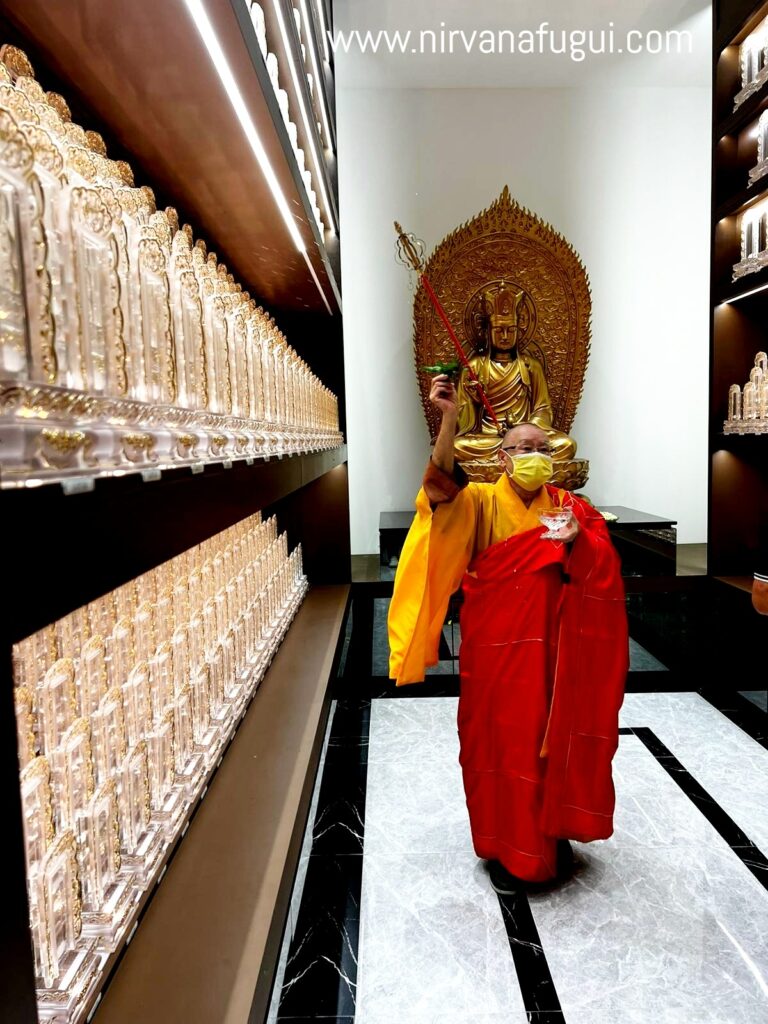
{"points": [[664, 923]]}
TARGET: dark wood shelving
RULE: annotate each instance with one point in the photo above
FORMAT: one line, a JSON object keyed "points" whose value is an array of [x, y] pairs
{"points": [[737, 290], [228, 886], [130, 527], [277, 46], [736, 203], [325, 67], [736, 155], [738, 582], [750, 110], [165, 861], [141, 74], [733, 20], [738, 477], [328, 243]]}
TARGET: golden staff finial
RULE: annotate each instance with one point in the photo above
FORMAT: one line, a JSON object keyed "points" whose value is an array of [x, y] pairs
{"points": [[410, 252]]}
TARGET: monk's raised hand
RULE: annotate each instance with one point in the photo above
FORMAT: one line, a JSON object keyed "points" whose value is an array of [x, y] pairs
{"points": [[443, 395]]}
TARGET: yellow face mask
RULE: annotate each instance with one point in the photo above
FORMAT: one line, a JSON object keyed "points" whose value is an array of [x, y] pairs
{"points": [[530, 470]]}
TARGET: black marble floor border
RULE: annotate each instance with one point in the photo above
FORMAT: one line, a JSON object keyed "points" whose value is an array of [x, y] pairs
{"points": [[537, 987], [320, 980]]}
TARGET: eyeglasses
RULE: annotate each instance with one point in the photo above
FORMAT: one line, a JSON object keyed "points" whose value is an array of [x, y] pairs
{"points": [[527, 449]]}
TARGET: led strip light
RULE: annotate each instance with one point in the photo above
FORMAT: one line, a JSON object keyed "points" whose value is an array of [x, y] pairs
{"points": [[320, 168], [216, 53], [323, 29], [319, 81], [744, 295]]}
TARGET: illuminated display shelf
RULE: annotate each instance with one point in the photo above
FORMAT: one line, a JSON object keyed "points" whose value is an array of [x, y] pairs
{"points": [[154, 522], [73, 543], [236, 210], [738, 491], [296, 55], [147, 524], [327, 242], [744, 288], [749, 111], [741, 77]]}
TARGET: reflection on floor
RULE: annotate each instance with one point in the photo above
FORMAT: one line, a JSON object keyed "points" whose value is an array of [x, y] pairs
{"points": [[691, 559], [758, 697], [666, 922], [449, 647]]}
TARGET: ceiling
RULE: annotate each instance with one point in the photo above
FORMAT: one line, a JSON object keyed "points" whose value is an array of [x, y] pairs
{"points": [[474, 69]]}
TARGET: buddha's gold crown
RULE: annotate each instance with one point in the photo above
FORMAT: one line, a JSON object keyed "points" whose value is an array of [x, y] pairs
{"points": [[501, 304]]}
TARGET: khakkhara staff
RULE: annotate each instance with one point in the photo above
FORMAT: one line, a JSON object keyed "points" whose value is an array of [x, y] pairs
{"points": [[408, 247]]}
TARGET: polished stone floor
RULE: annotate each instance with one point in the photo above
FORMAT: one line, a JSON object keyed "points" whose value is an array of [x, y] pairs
{"points": [[666, 922]]}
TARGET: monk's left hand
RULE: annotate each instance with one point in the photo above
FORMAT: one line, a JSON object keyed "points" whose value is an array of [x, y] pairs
{"points": [[568, 533]]}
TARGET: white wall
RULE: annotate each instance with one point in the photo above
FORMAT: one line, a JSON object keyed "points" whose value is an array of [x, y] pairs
{"points": [[624, 175]]}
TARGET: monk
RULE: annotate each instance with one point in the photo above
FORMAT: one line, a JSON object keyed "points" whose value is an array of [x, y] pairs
{"points": [[544, 649]]}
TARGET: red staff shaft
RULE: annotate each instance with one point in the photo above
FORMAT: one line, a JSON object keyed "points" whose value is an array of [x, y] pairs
{"points": [[457, 345]]}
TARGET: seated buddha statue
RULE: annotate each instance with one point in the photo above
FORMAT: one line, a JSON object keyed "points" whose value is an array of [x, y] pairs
{"points": [[514, 384]]}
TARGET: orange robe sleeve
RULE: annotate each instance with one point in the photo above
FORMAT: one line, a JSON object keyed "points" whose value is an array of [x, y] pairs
{"points": [[436, 553]]}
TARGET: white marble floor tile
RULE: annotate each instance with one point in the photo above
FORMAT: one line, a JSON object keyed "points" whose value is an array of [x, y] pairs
{"points": [[686, 721], [651, 809], [729, 764], [416, 808], [675, 936], [433, 945], [432, 942], [414, 730]]}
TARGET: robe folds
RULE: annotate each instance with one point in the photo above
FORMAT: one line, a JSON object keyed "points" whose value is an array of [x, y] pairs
{"points": [[543, 660]]}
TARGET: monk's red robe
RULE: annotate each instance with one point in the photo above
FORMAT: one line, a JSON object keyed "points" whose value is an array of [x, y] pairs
{"points": [[543, 662]]}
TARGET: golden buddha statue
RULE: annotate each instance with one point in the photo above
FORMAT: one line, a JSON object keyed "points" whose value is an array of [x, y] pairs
{"points": [[514, 382], [516, 296]]}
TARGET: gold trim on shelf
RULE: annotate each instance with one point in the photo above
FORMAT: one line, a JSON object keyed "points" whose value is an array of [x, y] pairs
{"points": [[144, 441], [64, 441]]}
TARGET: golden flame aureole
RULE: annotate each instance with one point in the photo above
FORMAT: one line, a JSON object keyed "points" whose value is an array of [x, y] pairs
{"points": [[507, 262]]}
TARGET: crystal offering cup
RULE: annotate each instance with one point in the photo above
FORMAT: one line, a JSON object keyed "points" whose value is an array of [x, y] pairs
{"points": [[555, 519]]}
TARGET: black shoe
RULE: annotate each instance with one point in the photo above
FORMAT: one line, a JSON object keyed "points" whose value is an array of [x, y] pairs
{"points": [[503, 881], [565, 859]]}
